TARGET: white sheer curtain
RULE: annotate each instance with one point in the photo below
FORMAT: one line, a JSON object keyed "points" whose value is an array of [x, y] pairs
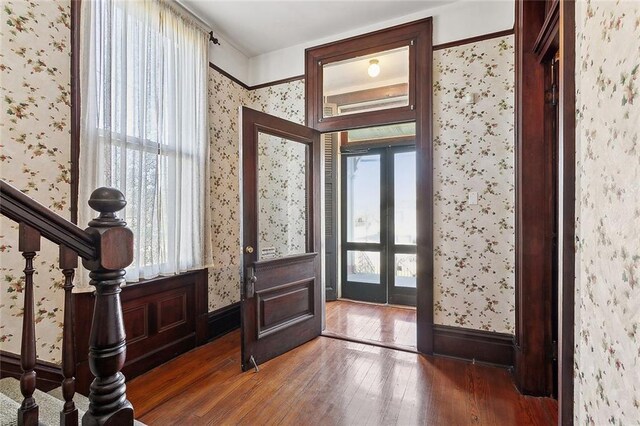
{"points": [[144, 128]]}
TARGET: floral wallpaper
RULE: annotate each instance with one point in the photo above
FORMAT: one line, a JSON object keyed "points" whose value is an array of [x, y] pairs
{"points": [[284, 100], [282, 199], [225, 97], [474, 259], [607, 324], [34, 157]]}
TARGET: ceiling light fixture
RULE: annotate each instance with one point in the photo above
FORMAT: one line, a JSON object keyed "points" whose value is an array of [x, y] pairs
{"points": [[374, 68]]}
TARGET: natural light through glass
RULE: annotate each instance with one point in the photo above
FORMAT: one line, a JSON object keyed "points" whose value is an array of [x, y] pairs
{"points": [[363, 198]]}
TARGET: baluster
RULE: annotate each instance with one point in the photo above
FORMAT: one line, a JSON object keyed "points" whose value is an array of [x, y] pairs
{"points": [[69, 413], [107, 344], [28, 244]]}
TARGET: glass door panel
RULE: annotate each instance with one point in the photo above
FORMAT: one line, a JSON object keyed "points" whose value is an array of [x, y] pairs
{"points": [[363, 267], [404, 191], [402, 220], [282, 197], [363, 236], [363, 198]]}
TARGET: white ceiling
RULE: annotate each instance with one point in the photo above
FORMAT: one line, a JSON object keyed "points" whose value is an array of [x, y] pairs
{"points": [[257, 27]]}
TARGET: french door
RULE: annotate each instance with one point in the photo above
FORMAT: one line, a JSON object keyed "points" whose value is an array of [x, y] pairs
{"points": [[379, 225], [281, 297]]}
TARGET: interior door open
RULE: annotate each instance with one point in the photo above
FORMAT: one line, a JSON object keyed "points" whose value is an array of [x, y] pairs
{"points": [[281, 292]]}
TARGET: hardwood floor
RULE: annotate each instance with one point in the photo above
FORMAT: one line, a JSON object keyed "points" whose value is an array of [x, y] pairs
{"points": [[330, 382], [373, 323]]}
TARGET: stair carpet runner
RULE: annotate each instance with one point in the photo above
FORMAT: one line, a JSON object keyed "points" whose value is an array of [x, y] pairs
{"points": [[50, 404]]}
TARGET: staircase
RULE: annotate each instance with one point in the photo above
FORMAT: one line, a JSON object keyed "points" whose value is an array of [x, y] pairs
{"points": [[51, 404], [106, 248]]}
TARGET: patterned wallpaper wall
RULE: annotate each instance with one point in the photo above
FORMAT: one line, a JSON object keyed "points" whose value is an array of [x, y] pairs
{"points": [[474, 259], [225, 97], [607, 329], [34, 133]]}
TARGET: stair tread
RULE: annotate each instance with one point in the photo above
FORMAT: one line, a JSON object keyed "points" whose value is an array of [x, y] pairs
{"points": [[50, 404], [81, 401], [8, 411]]}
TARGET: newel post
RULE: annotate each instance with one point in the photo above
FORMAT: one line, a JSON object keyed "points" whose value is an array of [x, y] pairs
{"points": [[107, 344]]}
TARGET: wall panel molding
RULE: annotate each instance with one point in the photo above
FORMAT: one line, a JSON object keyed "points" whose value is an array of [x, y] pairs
{"points": [[164, 317]]}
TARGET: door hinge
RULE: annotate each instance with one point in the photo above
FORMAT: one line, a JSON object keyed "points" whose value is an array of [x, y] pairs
{"points": [[554, 350], [551, 95]]}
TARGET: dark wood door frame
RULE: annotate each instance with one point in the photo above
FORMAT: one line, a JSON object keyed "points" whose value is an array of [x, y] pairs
{"points": [[538, 34], [567, 238], [421, 32]]}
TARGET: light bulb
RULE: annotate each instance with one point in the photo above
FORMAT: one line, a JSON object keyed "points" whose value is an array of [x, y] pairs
{"points": [[374, 68]]}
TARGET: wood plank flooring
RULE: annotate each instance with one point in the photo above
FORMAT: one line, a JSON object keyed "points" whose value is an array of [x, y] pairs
{"points": [[330, 382], [370, 322]]}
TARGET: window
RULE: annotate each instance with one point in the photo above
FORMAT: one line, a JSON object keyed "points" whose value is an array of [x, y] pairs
{"points": [[144, 128]]}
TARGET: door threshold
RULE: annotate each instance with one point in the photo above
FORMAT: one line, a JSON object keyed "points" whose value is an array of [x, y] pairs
{"points": [[395, 346], [382, 305]]}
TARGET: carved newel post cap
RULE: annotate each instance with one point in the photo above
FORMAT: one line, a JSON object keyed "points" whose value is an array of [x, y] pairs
{"points": [[107, 200]]}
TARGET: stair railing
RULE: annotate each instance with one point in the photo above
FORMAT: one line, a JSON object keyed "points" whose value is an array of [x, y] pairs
{"points": [[106, 249]]}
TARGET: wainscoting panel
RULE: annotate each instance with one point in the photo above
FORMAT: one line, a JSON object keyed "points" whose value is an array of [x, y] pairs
{"points": [[163, 318]]}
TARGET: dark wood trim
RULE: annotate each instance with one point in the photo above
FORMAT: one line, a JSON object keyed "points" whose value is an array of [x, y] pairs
{"points": [[534, 210], [223, 320], [376, 343], [154, 342], [75, 109], [424, 187], [547, 41], [302, 77], [409, 34], [257, 86], [567, 138], [475, 39], [421, 57], [23, 209], [48, 374], [229, 76], [477, 345], [276, 82]]}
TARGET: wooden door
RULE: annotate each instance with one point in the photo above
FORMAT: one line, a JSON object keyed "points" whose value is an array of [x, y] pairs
{"points": [[281, 292]]}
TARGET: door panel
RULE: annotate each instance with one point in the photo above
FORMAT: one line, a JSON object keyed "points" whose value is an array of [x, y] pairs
{"points": [[281, 295], [402, 258], [363, 236], [379, 232]]}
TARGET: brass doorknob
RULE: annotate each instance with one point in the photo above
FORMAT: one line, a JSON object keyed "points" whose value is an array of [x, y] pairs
{"points": [[249, 249]]}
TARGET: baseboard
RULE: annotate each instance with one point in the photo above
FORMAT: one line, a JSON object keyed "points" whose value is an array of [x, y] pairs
{"points": [[48, 374], [223, 320], [480, 346]]}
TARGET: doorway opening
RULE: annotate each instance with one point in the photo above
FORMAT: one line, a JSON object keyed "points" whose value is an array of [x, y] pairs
{"points": [[375, 294]]}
